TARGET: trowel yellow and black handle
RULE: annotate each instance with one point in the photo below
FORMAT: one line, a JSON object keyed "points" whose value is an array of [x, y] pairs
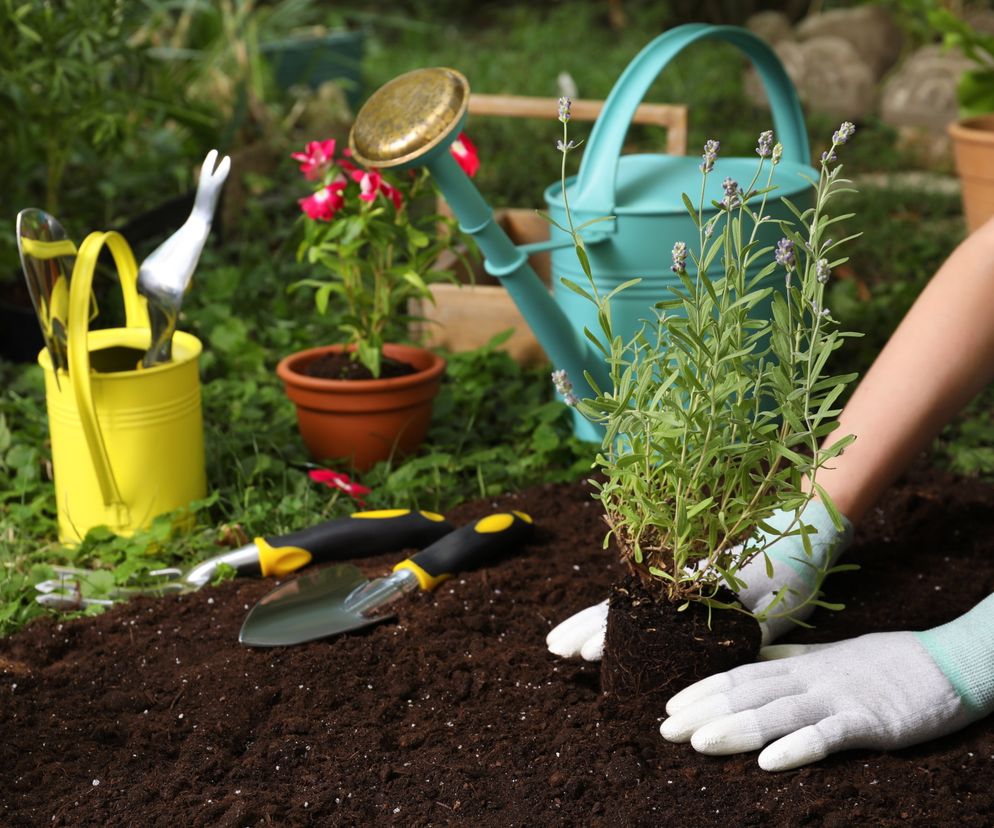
{"points": [[360, 534], [469, 547], [337, 599]]}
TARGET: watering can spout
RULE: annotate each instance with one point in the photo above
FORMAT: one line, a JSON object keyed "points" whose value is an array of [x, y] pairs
{"points": [[411, 121]]}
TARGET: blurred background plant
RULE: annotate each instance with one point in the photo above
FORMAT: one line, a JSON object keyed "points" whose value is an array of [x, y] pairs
{"points": [[951, 21], [76, 97]]}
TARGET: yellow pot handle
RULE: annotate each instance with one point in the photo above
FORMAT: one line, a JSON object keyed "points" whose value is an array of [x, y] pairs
{"points": [[79, 353]]}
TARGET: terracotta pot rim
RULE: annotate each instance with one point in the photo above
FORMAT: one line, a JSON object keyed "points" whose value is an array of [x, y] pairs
{"points": [[286, 371], [979, 129]]}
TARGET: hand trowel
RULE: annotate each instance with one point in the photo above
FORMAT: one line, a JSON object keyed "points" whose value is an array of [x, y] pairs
{"points": [[340, 598]]}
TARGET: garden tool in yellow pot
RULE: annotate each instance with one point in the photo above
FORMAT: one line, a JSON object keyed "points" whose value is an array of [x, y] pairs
{"points": [[165, 274], [47, 259], [127, 442], [340, 598], [360, 534]]}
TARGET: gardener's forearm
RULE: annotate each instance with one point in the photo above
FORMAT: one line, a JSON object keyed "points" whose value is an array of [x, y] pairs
{"points": [[940, 356]]}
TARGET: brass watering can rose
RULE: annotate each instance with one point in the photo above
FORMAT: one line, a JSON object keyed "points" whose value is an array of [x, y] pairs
{"points": [[409, 116]]}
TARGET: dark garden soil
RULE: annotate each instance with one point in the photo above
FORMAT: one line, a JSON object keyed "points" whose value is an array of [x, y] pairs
{"points": [[153, 714], [341, 367]]}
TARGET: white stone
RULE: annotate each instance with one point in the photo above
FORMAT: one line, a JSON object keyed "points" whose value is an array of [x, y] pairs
{"points": [[829, 75], [922, 92], [870, 29]]}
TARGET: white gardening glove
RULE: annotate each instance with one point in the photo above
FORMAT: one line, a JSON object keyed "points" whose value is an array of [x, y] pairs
{"points": [[582, 634], [883, 691], [792, 567]]}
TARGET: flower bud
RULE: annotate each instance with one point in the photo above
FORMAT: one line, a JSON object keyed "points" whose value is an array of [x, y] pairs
{"points": [[711, 148]]}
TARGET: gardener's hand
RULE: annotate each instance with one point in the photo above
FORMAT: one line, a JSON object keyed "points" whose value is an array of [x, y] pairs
{"points": [[583, 634], [882, 691], [792, 568]]}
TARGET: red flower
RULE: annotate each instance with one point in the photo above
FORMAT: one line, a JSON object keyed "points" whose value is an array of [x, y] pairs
{"points": [[317, 155], [337, 480], [464, 151], [322, 205], [392, 193], [369, 184]]}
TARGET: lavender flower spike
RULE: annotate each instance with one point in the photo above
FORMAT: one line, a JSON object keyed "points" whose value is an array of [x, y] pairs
{"points": [[777, 153], [561, 381], [731, 199], [784, 254], [843, 133], [679, 258], [564, 107], [711, 148], [822, 271], [765, 145]]}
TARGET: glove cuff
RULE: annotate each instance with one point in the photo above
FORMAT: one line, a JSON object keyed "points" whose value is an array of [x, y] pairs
{"points": [[964, 650], [827, 542]]}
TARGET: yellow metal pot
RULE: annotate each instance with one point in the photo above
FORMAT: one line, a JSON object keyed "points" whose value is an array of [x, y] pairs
{"points": [[127, 442]]}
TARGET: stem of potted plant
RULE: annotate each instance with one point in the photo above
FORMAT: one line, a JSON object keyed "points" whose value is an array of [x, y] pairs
{"points": [[366, 399]]}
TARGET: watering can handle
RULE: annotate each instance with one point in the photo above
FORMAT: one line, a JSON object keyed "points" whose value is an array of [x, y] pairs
{"points": [[79, 352], [595, 185]]}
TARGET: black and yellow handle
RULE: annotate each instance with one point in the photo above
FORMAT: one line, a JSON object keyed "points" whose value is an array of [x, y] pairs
{"points": [[469, 547], [361, 533]]}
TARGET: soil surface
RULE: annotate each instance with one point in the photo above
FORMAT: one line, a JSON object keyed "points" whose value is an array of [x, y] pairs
{"points": [[341, 367], [455, 714]]}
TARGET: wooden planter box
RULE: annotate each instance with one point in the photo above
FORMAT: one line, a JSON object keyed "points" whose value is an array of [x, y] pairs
{"points": [[468, 315]]}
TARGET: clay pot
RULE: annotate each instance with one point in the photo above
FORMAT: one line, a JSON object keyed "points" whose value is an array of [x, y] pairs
{"points": [[365, 421], [651, 651], [973, 147]]}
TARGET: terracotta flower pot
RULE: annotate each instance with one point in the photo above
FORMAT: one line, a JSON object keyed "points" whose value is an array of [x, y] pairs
{"points": [[363, 420], [973, 146]]}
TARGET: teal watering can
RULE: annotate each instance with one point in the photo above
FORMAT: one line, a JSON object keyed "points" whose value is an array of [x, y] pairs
{"points": [[412, 120]]}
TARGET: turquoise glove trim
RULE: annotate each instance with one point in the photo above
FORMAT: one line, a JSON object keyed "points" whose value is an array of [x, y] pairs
{"points": [[826, 546], [964, 650]]}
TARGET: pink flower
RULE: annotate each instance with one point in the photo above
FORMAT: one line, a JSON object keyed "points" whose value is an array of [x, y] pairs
{"points": [[322, 205], [316, 156], [337, 480], [392, 193], [369, 184], [464, 151]]}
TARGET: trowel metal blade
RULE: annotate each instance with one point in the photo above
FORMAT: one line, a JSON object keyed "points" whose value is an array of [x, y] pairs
{"points": [[309, 607]]}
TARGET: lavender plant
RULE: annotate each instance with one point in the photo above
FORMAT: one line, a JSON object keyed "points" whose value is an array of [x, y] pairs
{"points": [[715, 413]]}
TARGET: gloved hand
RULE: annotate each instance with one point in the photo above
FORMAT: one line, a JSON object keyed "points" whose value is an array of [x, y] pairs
{"points": [[882, 691], [792, 568], [582, 634]]}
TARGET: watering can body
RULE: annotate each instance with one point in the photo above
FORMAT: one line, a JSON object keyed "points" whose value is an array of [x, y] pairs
{"points": [[645, 193], [127, 441]]}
